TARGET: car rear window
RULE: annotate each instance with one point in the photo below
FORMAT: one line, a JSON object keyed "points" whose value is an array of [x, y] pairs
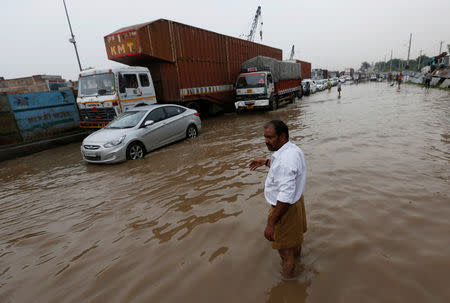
{"points": [[173, 110]]}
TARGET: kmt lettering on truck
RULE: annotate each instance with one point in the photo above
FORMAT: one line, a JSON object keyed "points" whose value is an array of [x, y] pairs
{"points": [[123, 44]]}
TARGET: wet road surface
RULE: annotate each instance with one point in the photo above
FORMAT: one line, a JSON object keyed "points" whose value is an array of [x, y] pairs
{"points": [[186, 223]]}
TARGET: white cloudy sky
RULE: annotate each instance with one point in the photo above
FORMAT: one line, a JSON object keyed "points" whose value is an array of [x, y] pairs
{"points": [[332, 34]]}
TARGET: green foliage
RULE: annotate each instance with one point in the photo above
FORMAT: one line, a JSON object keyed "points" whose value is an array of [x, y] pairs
{"points": [[398, 64], [365, 65]]}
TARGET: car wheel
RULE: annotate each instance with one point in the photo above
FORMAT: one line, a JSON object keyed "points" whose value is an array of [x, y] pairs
{"points": [[191, 131], [135, 151]]}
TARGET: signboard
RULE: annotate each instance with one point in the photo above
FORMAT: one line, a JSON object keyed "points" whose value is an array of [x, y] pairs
{"points": [[122, 44]]}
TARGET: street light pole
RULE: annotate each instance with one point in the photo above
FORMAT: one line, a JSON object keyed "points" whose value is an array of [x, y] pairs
{"points": [[72, 40]]}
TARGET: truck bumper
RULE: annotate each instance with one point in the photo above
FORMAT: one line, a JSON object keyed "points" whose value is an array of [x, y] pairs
{"points": [[252, 104], [96, 125]]}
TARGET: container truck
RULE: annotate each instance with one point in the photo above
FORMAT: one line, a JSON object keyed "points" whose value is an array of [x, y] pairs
{"points": [[105, 93], [349, 72], [265, 82], [189, 66]]}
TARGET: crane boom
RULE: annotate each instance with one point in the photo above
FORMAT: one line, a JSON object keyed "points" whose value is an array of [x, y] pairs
{"points": [[251, 35], [291, 57]]}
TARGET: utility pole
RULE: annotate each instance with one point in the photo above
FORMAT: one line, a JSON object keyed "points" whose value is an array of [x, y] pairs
{"points": [[72, 40], [420, 59], [390, 68], [384, 63], [440, 47], [409, 50]]}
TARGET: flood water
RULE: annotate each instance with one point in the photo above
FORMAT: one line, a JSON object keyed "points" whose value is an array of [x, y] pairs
{"points": [[186, 223]]}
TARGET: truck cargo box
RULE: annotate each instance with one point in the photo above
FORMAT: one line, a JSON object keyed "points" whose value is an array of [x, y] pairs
{"points": [[306, 69], [187, 63]]}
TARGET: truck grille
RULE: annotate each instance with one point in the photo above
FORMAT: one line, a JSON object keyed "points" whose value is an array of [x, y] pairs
{"points": [[99, 114]]}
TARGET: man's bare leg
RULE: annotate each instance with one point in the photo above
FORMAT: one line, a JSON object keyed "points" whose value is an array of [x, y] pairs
{"points": [[298, 251], [287, 261]]}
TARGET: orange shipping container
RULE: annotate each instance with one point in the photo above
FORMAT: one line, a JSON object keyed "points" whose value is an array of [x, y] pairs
{"points": [[306, 69], [188, 64]]}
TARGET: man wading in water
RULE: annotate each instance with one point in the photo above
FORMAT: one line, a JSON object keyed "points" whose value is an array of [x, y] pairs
{"points": [[283, 190]]}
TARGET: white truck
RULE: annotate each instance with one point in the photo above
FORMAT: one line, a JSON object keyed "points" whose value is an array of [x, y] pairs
{"points": [[265, 82], [105, 93]]}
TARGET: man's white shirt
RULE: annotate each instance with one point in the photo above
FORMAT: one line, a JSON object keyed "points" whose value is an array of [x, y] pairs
{"points": [[286, 179]]}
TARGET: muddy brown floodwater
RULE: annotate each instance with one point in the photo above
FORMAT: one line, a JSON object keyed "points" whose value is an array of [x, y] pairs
{"points": [[186, 223]]}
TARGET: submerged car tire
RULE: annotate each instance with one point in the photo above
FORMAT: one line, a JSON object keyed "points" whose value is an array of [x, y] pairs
{"points": [[135, 151], [191, 131]]}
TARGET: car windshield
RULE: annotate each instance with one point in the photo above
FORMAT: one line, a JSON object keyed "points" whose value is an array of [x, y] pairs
{"points": [[127, 119], [99, 84], [252, 80]]}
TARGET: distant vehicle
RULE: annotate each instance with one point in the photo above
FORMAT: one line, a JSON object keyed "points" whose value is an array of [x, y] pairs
{"points": [[312, 85], [373, 77], [320, 85], [265, 82], [139, 130]]}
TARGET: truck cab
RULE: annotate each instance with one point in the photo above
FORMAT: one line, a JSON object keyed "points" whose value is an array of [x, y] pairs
{"points": [[255, 89], [105, 93]]}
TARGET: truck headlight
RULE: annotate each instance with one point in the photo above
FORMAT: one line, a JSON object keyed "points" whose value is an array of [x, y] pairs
{"points": [[114, 142]]}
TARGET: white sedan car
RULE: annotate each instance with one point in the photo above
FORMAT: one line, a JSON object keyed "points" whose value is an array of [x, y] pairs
{"points": [[312, 85], [139, 130]]}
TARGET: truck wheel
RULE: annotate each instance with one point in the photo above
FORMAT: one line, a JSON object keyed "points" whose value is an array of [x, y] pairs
{"points": [[273, 103], [195, 106], [135, 151]]}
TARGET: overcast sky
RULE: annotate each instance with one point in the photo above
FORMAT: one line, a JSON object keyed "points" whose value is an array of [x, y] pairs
{"points": [[329, 34]]}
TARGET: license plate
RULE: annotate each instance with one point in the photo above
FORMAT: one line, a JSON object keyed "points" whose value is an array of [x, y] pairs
{"points": [[90, 154], [250, 106], [249, 91]]}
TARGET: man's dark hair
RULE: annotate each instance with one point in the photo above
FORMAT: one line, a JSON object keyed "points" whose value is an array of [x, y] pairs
{"points": [[280, 127]]}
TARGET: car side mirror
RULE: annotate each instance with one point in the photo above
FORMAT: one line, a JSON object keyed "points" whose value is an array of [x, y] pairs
{"points": [[148, 123]]}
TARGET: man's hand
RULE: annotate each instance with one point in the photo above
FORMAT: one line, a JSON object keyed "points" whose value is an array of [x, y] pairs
{"points": [[268, 232], [254, 164]]}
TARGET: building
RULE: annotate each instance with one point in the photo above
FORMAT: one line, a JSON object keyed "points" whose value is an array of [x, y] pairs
{"points": [[37, 83]]}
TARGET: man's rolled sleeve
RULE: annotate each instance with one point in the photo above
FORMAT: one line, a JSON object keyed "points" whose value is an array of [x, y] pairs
{"points": [[286, 180]]}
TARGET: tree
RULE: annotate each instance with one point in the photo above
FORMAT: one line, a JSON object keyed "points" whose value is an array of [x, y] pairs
{"points": [[365, 66]]}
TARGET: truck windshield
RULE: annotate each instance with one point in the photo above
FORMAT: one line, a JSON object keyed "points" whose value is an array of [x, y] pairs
{"points": [[99, 84], [127, 119], [253, 80]]}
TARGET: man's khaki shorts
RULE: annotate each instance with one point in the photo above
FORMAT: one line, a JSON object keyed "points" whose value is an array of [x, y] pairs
{"points": [[289, 230]]}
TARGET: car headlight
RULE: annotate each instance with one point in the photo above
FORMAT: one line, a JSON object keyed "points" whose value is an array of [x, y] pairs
{"points": [[114, 142]]}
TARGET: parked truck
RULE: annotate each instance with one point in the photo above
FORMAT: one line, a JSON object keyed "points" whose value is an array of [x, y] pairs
{"points": [[265, 82], [349, 72], [187, 65]]}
